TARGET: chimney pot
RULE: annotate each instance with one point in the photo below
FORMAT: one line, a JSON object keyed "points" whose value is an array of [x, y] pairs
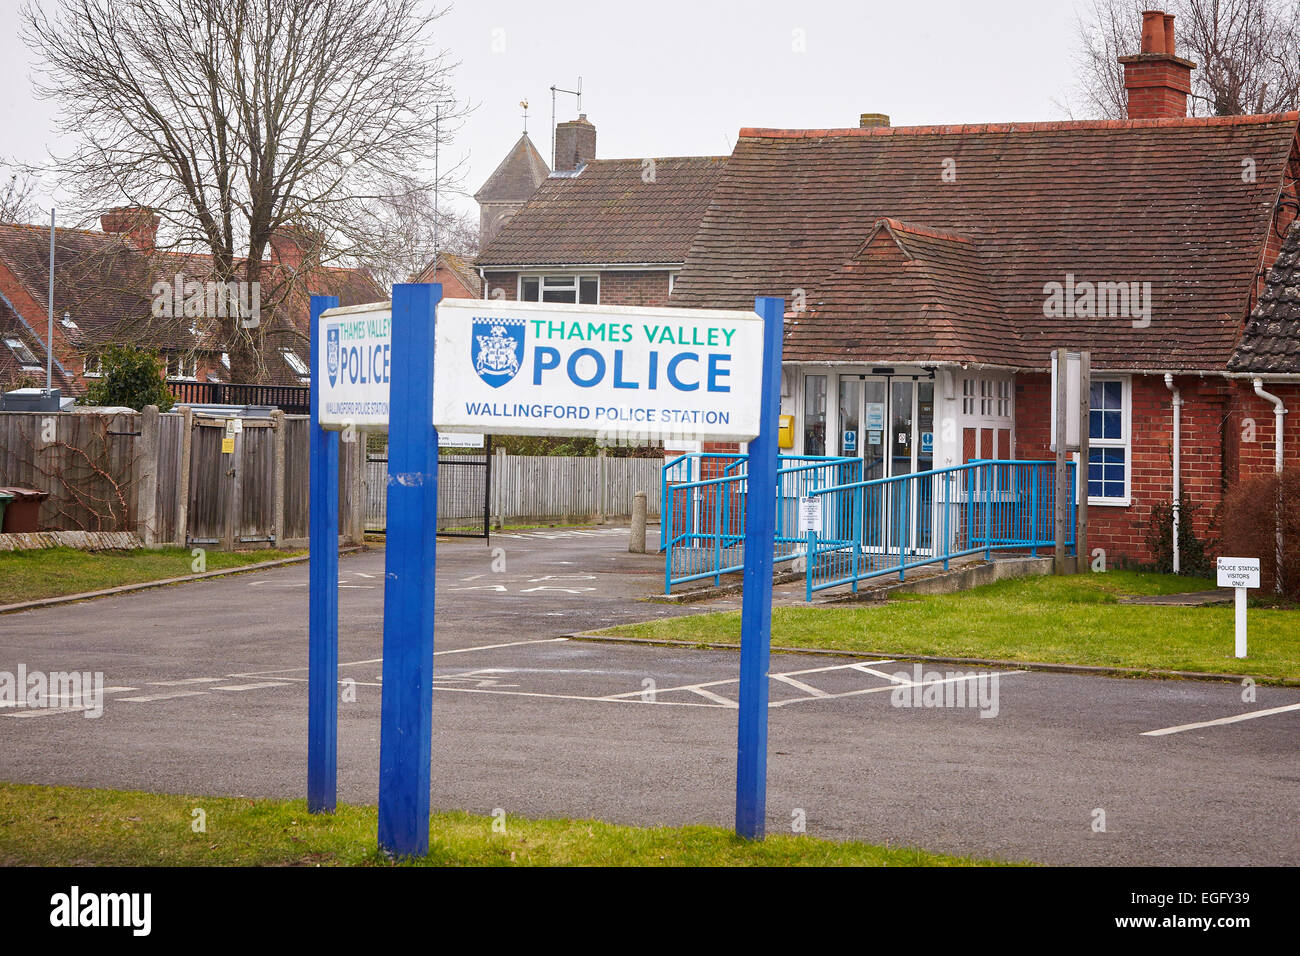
{"points": [[872, 120], [1153, 31], [1169, 34]]}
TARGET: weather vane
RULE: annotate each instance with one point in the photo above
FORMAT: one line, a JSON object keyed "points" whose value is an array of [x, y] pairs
{"points": [[524, 104]]}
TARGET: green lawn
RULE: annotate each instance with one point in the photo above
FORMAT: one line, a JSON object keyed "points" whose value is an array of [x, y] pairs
{"points": [[1074, 619], [49, 572], [59, 826]]}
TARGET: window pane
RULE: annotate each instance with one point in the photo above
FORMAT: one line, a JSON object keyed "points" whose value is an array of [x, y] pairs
{"points": [[1106, 471], [559, 295], [814, 415], [850, 402], [530, 290], [1106, 411], [588, 294]]}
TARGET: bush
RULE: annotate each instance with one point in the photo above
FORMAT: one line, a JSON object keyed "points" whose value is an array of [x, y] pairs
{"points": [[1193, 556], [1249, 518], [132, 378]]}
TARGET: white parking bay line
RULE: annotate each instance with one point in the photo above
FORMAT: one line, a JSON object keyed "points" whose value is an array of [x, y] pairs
{"points": [[257, 686], [187, 680], [1221, 720], [150, 698]]}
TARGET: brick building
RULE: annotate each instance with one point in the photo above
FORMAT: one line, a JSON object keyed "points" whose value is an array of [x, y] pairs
{"points": [[105, 287], [931, 271]]}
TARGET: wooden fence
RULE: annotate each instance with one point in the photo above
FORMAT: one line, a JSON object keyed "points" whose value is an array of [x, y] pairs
{"points": [[169, 477], [534, 488]]}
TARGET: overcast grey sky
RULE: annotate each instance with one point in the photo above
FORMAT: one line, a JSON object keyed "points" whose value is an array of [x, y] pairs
{"points": [[681, 78]]}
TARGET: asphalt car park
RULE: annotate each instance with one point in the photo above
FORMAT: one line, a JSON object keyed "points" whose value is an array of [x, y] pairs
{"points": [[206, 694]]}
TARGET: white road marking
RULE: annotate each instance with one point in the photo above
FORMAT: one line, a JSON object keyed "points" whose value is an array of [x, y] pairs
{"points": [[1221, 720], [188, 680], [150, 698], [46, 711], [800, 685], [706, 694], [258, 686]]}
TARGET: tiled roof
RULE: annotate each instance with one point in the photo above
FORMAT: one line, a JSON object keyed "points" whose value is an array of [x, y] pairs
{"points": [[106, 286], [611, 211], [517, 176], [12, 371], [1158, 201], [1271, 342], [458, 267]]}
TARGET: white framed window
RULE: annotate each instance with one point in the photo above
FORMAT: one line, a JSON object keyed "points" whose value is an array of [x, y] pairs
{"points": [[182, 366], [1110, 440], [968, 396], [988, 398], [672, 282], [91, 366], [571, 289], [1005, 399], [25, 356], [295, 362]]}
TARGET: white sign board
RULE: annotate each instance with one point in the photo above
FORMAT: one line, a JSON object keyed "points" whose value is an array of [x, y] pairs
{"points": [[529, 368], [810, 514], [1073, 382], [355, 365], [1238, 572], [467, 440]]}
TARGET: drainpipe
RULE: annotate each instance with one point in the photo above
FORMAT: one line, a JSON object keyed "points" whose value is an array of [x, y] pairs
{"points": [[1178, 466], [1279, 410]]}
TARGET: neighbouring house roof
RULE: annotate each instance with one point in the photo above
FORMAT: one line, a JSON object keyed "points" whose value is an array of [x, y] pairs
{"points": [[610, 211], [1271, 342], [15, 366], [107, 287], [517, 176], [458, 267], [984, 218]]}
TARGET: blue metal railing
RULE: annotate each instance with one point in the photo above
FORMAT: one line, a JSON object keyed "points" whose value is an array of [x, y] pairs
{"points": [[702, 530], [867, 528], [891, 525]]}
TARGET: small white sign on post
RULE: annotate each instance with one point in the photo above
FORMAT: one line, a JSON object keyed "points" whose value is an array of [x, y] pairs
{"points": [[810, 514], [1239, 574]]}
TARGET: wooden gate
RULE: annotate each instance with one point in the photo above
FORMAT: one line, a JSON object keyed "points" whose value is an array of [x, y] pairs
{"points": [[233, 486]]}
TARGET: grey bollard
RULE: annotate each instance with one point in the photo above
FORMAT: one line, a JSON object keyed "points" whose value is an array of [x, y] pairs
{"points": [[636, 543]]}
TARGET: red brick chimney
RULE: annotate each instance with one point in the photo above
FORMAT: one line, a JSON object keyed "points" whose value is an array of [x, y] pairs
{"points": [[575, 144], [292, 246], [1157, 81], [137, 223]]}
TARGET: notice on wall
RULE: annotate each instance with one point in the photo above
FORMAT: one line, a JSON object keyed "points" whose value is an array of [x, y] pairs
{"points": [[228, 446], [810, 514]]}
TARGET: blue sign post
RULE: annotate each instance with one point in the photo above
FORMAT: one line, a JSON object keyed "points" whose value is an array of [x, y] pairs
{"points": [[756, 606], [406, 711], [323, 608]]}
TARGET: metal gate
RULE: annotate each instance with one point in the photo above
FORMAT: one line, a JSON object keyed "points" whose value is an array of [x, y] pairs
{"points": [[464, 485]]}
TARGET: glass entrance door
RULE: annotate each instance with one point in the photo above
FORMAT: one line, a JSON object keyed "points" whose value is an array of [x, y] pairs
{"points": [[892, 430]]}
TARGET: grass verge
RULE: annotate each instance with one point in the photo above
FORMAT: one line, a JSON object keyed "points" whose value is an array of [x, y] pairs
{"points": [[1075, 619], [65, 826], [52, 572]]}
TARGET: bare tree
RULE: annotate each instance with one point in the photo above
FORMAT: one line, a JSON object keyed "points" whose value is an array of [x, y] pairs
{"points": [[1247, 54], [236, 120], [17, 201], [414, 231]]}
